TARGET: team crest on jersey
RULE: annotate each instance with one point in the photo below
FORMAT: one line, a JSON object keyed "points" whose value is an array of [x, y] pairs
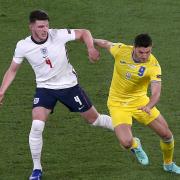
{"points": [[44, 51], [128, 75], [36, 100]]}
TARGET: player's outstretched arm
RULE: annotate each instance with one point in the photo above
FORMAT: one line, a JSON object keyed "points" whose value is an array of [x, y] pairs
{"points": [[103, 43], [85, 36], [8, 78]]}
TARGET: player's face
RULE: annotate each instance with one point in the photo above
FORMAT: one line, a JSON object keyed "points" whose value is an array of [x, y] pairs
{"points": [[141, 54], [39, 30]]}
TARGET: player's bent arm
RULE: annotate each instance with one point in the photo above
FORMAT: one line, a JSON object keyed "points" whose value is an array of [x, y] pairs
{"points": [[9, 77], [155, 93], [103, 43], [85, 36]]}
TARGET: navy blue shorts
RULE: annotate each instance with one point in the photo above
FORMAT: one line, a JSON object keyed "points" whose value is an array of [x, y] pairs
{"points": [[74, 98]]}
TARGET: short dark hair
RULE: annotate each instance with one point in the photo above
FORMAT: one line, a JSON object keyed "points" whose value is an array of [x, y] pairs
{"points": [[143, 40], [38, 15]]}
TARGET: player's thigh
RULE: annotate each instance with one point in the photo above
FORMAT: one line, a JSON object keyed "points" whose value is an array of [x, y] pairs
{"points": [[44, 98], [43, 103], [142, 116], [120, 116], [160, 126], [75, 99]]}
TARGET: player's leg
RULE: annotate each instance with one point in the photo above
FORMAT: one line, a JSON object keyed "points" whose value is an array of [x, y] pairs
{"points": [[42, 106], [126, 139], [160, 126], [77, 101], [91, 115], [39, 116], [96, 119], [122, 121], [124, 135]]}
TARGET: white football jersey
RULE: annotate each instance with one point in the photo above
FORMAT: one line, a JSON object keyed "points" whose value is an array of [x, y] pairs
{"points": [[49, 59]]}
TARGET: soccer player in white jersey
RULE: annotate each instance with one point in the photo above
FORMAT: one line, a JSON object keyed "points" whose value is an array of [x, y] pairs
{"points": [[55, 78]]}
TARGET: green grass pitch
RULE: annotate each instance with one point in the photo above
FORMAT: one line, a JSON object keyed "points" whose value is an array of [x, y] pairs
{"points": [[73, 150]]}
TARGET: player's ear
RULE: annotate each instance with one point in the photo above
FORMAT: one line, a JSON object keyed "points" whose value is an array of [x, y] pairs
{"points": [[31, 26]]}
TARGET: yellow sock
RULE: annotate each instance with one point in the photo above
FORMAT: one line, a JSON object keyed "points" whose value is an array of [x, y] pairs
{"points": [[167, 150], [134, 144]]}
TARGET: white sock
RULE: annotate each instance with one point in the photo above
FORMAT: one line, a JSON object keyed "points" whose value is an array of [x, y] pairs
{"points": [[36, 142], [104, 121]]}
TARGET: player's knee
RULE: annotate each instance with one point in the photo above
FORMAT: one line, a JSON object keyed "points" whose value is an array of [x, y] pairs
{"points": [[37, 126]]}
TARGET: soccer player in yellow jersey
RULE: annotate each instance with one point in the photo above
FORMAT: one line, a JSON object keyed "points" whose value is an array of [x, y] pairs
{"points": [[135, 68]]}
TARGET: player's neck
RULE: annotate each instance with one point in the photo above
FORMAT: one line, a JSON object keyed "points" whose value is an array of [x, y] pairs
{"points": [[38, 41]]}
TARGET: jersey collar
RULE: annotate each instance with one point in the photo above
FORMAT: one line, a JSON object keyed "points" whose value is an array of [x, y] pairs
{"points": [[36, 42]]}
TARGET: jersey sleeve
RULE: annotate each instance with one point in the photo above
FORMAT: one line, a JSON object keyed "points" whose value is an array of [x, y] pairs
{"points": [[156, 73], [66, 35], [19, 53], [115, 48]]}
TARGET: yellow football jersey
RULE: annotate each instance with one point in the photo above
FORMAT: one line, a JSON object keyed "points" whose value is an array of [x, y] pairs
{"points": [[131, 79]]}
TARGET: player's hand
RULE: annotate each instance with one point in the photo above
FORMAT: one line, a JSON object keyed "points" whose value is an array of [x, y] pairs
{"points": [[93, 54], [1, 98], [145, 109]]}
